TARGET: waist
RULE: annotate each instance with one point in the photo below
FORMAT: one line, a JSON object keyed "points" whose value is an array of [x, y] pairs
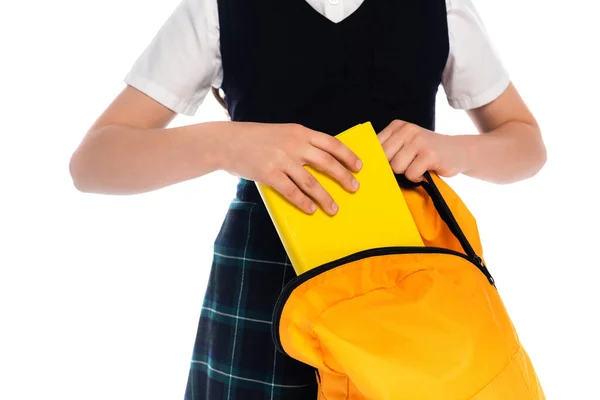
{"points": [[247, 191]]}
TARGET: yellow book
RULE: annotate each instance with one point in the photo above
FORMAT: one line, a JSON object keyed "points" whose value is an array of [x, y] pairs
{"points": [[374, 216]]}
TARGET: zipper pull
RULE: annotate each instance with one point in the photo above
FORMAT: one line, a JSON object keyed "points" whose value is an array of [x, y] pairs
{"points": [[484, 269]]}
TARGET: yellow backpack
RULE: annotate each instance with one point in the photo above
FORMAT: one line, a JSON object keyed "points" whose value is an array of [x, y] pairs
{"points": [[408, 323]]}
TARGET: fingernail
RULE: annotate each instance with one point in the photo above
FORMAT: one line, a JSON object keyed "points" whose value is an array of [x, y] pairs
{"points": [[334, 207], [358, 164], [354, 183], [313, 208]]}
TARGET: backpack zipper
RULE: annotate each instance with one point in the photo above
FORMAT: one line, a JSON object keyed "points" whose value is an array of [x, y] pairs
{"points": [[448, 217]]}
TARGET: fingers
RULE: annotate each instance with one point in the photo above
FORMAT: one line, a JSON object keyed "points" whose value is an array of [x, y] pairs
{"points": [[403, 158], [288, 189], [406, 149], [300, 187], [417, 168], [394, 144], [387, 132], [396, 135], [337, 149], [334, 158], [311, 186], [322, 152], [328, 164], [413, 161]]}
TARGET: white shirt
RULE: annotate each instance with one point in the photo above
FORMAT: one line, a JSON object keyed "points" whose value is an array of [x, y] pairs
{"points": [[182, 62]]}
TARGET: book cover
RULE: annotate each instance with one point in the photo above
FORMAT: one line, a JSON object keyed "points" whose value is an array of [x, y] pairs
{"points": [[375, 216]]}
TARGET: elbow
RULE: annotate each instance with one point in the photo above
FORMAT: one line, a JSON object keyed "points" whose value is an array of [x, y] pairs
{"points": [[538, 155], [78, 172], [81, 164], [532, 157], [543, 157]]}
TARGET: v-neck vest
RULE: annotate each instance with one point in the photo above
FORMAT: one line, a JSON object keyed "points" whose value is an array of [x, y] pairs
{"points": [[285, 62]]}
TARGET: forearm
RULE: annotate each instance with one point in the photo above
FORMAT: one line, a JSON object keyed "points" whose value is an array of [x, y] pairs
{"points": [[510, 153], [125, 160]]}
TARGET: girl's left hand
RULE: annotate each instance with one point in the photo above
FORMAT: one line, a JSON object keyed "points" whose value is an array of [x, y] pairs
{"points": [[413, 150]]}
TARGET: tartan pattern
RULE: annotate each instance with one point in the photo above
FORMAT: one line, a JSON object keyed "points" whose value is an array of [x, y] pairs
{"points": [[234, 357]]}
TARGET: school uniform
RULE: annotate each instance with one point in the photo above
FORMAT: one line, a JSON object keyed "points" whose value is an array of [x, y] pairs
{"points": [[325, 64]]}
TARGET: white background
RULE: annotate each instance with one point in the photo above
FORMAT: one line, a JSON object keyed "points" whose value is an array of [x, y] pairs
{"points": [[100, 295]]}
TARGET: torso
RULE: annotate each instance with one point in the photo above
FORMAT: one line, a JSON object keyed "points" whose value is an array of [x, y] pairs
{"points": [[384, 61]]}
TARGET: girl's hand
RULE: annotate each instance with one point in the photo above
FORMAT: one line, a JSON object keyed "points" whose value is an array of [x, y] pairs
{"points": [[275, 155], [412, 151]]}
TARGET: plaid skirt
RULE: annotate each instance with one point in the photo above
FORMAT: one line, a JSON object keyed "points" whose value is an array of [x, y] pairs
{"points": [[234, 357]]}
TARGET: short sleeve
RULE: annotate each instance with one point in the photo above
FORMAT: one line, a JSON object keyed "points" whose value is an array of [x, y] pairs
{"points": [[474, 75], [181, 63]]}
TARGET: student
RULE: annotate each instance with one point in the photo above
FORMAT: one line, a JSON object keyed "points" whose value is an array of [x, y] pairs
{"points": [[294, 73]]}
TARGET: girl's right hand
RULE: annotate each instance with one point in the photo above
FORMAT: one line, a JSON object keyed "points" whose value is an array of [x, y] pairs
{"points": [[275, 155]]}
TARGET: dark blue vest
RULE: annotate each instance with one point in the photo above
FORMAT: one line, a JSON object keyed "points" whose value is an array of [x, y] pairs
{"points": [[285, 62]]}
